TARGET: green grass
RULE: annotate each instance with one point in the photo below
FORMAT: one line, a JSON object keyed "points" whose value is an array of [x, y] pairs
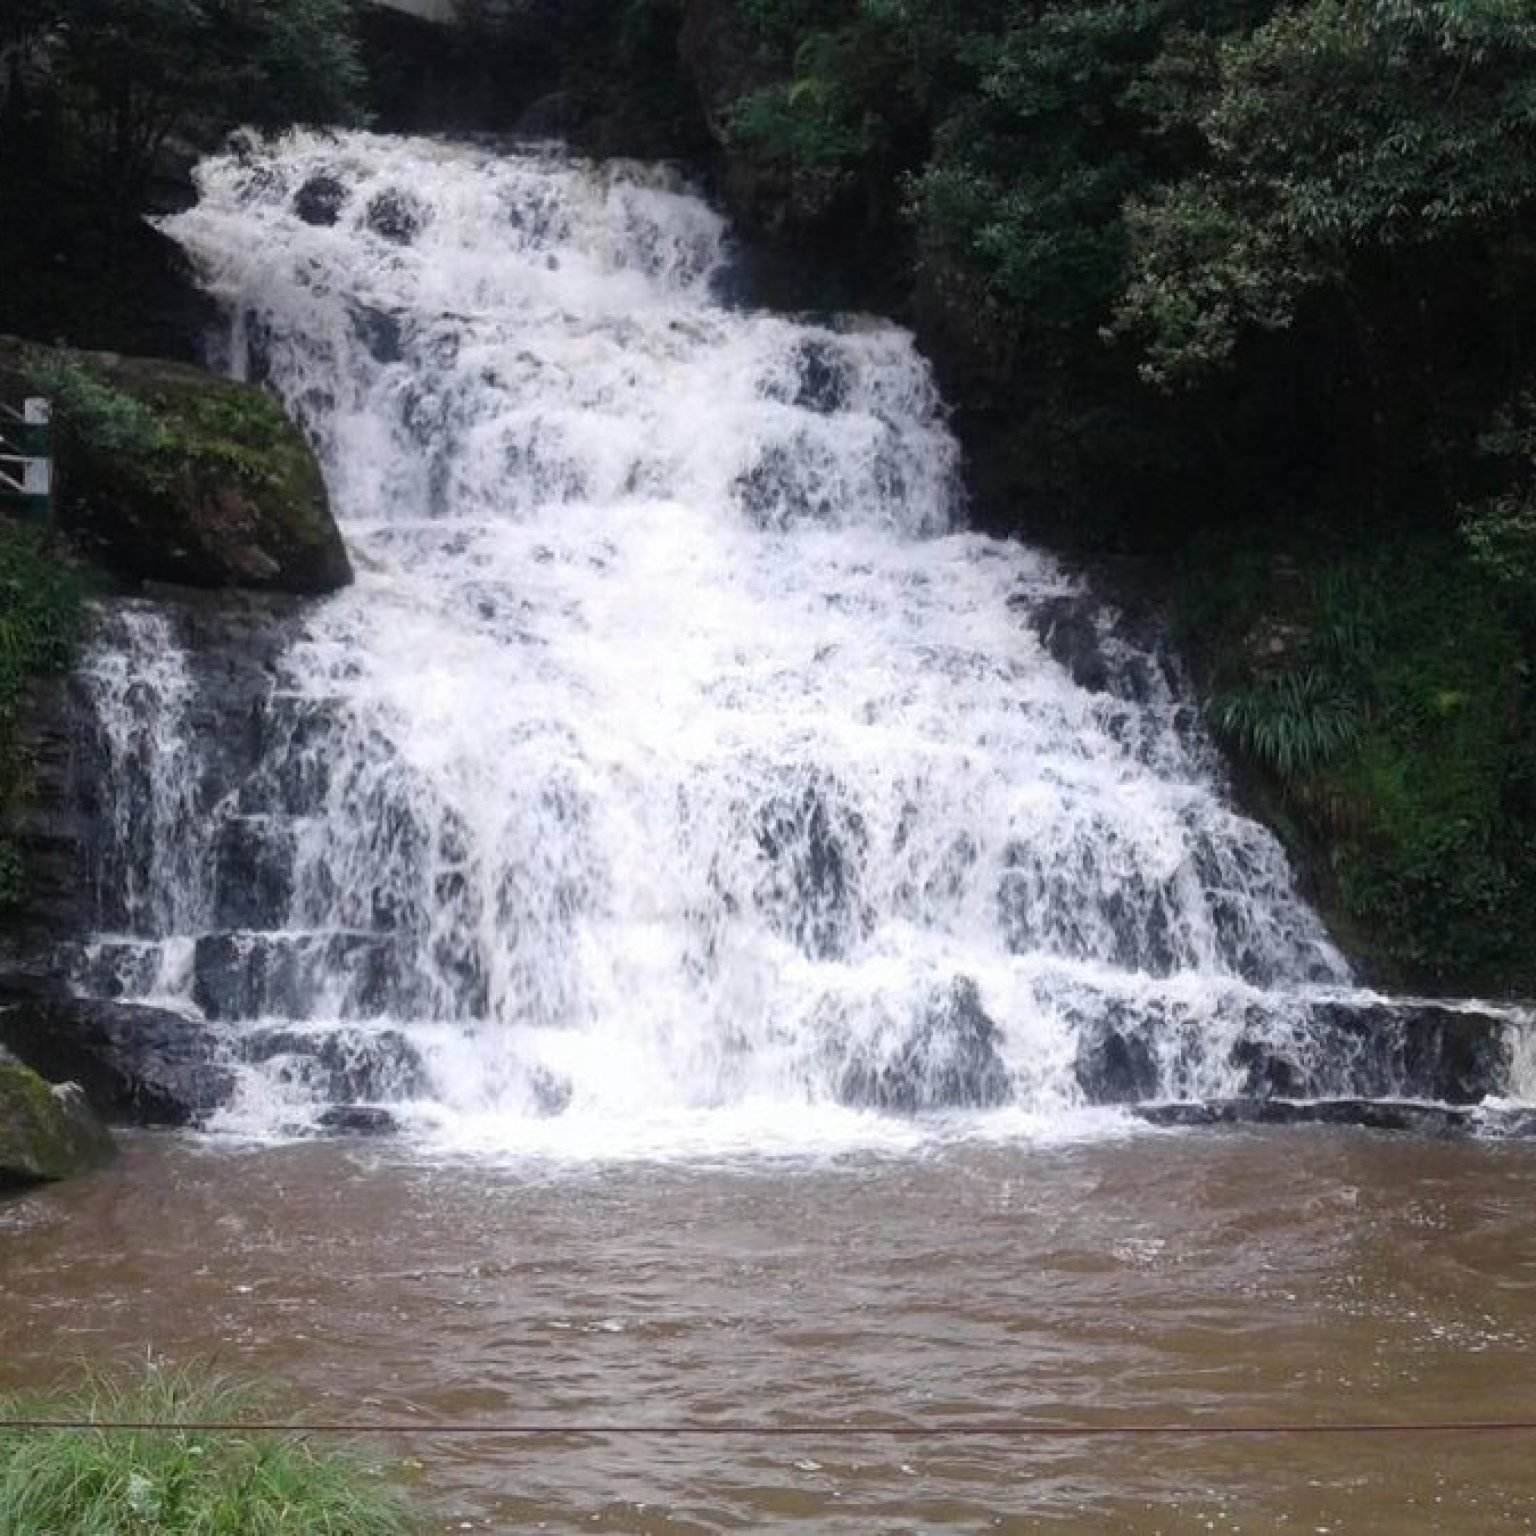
{"points": [[137, 1483]]}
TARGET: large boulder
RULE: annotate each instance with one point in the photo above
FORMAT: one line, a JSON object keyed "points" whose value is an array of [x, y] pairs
{"points": [[46, 1133], [140, 1065], [169, 473]]}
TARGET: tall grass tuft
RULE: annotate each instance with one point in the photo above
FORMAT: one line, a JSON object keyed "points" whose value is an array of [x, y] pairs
{"points": [[1294, 724], [182, 1483]]}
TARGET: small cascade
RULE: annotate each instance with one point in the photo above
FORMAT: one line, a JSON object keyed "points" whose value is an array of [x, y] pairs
{"points": [[678, 769], [150, 881]]}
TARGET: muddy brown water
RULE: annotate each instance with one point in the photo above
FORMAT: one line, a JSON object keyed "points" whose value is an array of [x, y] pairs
{"points": [[1299, 1276]]}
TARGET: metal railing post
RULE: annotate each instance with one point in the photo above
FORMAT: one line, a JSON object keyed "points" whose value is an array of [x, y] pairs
{"points": [[26, 459]]}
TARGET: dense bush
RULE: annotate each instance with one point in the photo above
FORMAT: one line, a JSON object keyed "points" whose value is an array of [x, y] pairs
{"points": [[1388, 697], [97, 99], [40, 604], [117, 78]]}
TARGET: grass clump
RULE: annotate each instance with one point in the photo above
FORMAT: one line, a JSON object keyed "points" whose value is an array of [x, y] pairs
{"points": [[183, 1483]]}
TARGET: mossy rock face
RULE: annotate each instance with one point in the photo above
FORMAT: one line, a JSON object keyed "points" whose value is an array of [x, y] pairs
{"points": [[46, 1133], [169, 473]]}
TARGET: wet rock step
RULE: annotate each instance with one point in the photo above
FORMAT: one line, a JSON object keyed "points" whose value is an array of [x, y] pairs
{"points": [[1369, 1114], [1294, 1048], [142, 1066], [335, 975], [347, 1068]]}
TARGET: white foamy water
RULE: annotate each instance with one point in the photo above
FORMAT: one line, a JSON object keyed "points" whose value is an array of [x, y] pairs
{"points": [[677, 772]]}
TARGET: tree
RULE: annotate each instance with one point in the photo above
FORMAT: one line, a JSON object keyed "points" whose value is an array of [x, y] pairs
{"points": [[125, 75], [1348, 146]]}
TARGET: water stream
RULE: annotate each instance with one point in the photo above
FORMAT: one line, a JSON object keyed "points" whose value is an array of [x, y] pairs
{"points": [[678, 767]]}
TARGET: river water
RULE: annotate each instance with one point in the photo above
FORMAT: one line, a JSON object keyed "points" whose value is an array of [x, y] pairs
{"points": [[1300, 1276]]}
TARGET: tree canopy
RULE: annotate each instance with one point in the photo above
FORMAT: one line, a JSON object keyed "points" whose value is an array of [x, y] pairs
{"points": [[121, 76]]}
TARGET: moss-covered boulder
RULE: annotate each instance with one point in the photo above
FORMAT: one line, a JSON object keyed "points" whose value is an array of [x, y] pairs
{"points": [[46, 1133], [169, 473]]}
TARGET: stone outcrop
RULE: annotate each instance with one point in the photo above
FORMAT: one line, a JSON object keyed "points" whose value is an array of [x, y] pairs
{"points": [[139, 1065], [46, 1133], [1342, 1047], [169, 473]]}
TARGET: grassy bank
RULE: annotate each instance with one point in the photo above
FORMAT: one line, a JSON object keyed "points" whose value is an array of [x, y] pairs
{"points": [[141, 1483]]}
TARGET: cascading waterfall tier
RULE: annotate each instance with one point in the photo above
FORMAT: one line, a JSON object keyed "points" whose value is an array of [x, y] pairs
{"points": [[677, 767]]}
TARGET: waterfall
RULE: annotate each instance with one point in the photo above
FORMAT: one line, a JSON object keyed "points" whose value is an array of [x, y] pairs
{"points": [[678, 766]]}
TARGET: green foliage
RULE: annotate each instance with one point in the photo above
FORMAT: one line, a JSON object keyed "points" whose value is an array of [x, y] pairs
{"points": [[1501, 527], [101, 419], [1337, 131], [124, 75], [1391, 701], [139, 1483], [149, 428], [1294, 724], [834, 130], [41, 598]]}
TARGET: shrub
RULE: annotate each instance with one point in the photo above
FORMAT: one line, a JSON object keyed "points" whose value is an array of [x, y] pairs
{"points": [[41, 594]]}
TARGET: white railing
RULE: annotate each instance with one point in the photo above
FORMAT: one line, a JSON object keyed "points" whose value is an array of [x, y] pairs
{"points": [[26, 467]]}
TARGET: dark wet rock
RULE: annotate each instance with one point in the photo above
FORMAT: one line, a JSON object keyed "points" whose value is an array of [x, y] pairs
{"points": [[1091, 904], [358, 1120], [1115, 1064], [46, 1133], [320, 200], [199, 480], [786, 487], [380, 332], [1510, 1124], [1069, 632], [1447, 1054], [394, 216], [553, 116], [723, 55], [54, 827], [344, 1066], [1369, 1114], [949, 1059], [551, 1094], [1380, 1049], [813, 846], [145, 1066], [1267, 1073], [253, 859], [249, 975], [822, 383]]}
